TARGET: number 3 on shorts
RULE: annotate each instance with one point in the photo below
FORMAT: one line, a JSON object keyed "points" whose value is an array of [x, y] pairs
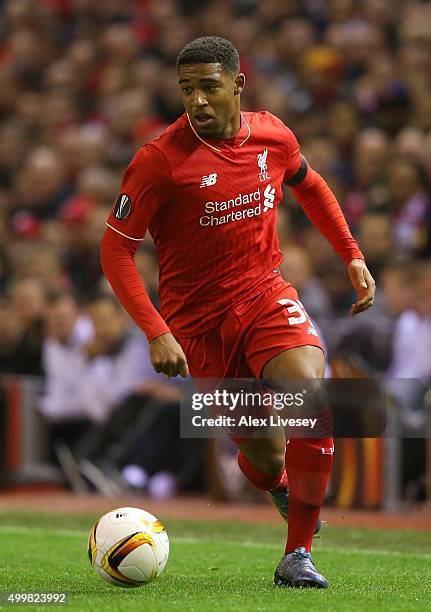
{"points": [[293, 306]]}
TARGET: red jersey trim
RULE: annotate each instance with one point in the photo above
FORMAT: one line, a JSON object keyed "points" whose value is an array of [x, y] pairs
{"points": [[249, 131], [212, 146], [125, 235]]}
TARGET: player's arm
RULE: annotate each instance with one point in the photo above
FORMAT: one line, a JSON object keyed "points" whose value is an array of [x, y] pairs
{"points": [[145, 187], [323, 210]]}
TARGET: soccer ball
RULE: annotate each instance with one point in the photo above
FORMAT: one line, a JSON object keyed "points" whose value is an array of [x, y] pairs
{"points": [[128, 547]]}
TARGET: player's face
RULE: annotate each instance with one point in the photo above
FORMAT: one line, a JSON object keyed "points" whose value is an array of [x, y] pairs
{"points": [[210, 96]]}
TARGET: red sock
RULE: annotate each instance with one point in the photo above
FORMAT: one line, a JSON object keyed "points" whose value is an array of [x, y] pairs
{"points": [[308, 466], [261, 480]]}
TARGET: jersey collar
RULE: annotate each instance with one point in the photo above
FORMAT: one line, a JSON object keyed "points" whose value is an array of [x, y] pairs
{"points": [[238, 140]]}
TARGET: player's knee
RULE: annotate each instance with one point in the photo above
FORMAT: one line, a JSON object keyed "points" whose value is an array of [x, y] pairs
{"points": [[269, 458], [273, 462]]}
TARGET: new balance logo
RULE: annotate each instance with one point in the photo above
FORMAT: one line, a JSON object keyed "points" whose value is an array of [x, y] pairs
{"points": [[269, 195], [209, 179], [311, 330]]}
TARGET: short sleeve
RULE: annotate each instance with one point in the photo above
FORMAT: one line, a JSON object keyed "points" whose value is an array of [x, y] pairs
{"points": [[146, 185]]}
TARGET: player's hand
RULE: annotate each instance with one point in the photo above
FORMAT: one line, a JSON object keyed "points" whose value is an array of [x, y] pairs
{"points": [[363, 283], [168, 357]]}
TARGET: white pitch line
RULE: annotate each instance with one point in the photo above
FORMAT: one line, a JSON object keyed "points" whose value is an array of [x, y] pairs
{"points": [[74, 533]]}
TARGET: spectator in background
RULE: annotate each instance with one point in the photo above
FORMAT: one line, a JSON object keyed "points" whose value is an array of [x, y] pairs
{"points": [[24, 333], [40, 187], [114, 363], [81, 254], [410, 201], [412, 336], [93, 363], [409, 378], [67, 333], [369, 165], [376, 234], [37, 260]]}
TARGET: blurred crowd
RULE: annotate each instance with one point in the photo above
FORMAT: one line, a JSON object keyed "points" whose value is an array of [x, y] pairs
{"points": [[85, 83]]}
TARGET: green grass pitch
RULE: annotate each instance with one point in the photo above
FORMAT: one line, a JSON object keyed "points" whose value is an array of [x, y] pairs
{"points": [[219, 567]]}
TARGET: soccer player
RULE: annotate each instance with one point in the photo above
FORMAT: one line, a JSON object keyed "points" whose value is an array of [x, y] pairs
{"points": [[207, 190]]}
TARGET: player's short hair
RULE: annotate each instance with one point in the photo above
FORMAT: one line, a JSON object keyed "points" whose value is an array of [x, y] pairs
{"points": [[210, 50]]}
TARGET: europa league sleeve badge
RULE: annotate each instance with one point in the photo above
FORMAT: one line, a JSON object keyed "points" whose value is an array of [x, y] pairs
{"points": [[122, 207]]}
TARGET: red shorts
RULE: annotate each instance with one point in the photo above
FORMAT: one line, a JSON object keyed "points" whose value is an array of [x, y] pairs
{"points": [[251, 333]]}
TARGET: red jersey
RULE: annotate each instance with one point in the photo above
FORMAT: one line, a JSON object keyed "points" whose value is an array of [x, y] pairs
{"points": [[211, 208]]}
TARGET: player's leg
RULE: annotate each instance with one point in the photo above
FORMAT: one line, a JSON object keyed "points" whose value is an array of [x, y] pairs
{"points": [[308, 466], [268, 454], [262, 461], [265, 454]]}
